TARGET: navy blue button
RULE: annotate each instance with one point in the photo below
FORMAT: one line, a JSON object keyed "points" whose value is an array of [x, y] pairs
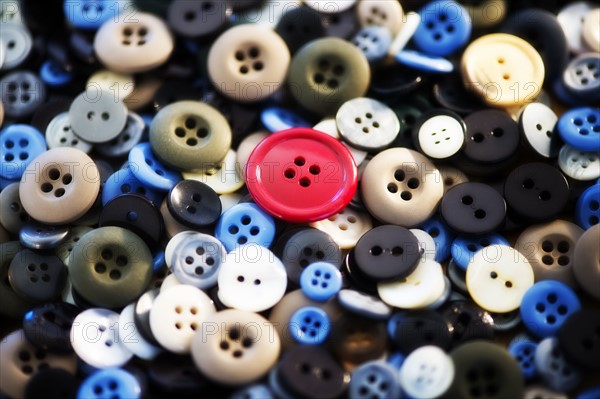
{"points": [[580, 128], [54, 75], [124, 181], [257, 391], [396, 359], [442, 236], [374, 380], [587, 210], [445, 27], [110, 383], [158, 262], [276, 119], [373, 41], [90, 14], [591, 393], [321, 281], [149, 170], [19, 144], [245, 223], [546, 306], [463, 248], [424, 62], [524, 353], [309, 325]]}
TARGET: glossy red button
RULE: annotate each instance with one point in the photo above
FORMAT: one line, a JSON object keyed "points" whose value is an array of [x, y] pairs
{"points": [[301, 175]]}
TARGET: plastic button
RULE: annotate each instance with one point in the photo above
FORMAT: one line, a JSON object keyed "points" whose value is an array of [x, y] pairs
{"points": [[553, 369], [60, 134], [149, 170], [442, 236], [427, 373], [132, 339], [309, 325], [96, 117], [492, 136], [464, 248], [110, 382], [578, 339], [321, 281], [424, 62], [194, 204], [20, 145], [445, 27], [299, 26], [197, 19], [126, 140], [36, 277], [276, 119], [571, 18], [468, 322], [16, 44], [53, 75], [329, 127], [197, 260], [91, 15], [591, 33], [382, 13], [373, 41], [536, 123], [581, 77], [124, 181], [577, 164], [587, 210], [374, 380], [410, 331], [524, 352], [245, 223], [580, 128], [439, 133], [12, 215], [346, 227], [363, 304], [586, 271]]}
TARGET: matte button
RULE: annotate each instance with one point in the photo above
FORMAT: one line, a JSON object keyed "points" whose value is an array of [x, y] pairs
{"points": [[299, 26], [20, 145], [579, 341], [52, 383], [356, 339], [197, 19], [554, 369], [48, 326], [126, 140], [536, 124], [468, 322], [582, 77], [96, 117], [577, 164], [571, 18], [492, 136], [12, 215], [16, 45], [587, 210], [245, 223], [364, 304], [346, 227], [375, 380], [373, 41], [427, 372], [222, 177], [121, 85], [524, 352], [60, 134], [386, 14], [194, 204], [37, 277], [197, 260], [587, 273], [410, 331], [309, 325], [445, 27], [326, 73], [463, 248], [14, 306], [591, 32], [580, 128], [116, 382]]}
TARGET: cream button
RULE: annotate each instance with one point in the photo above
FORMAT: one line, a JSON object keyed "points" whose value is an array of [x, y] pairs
{"points": [[387, 14], [591, 30]]}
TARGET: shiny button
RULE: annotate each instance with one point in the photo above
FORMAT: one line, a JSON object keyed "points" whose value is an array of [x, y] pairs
{"points": [[20, 145], [114, 382], [245, 223], [445, 27], [580, 128], [197, 260], [427, 372]]}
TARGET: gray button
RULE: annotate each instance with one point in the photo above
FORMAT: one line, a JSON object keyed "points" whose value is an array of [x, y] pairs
{"points": [[17, 42], [582, 76], [39, 236], [126, 140], [12, 213], [60, 134], [197, 260], [97, 116], [373, 41], [22, 92], [570, 19], [364, 304]]}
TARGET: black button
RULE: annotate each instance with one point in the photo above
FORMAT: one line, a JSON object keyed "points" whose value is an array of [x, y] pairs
{"points": [[473, 208], [450, 92], [141, 315], [311, 372], [492, 136], [536, 191], [387, 253], [356, 277], [468, 322], [47, 111], [395, 80], [196, 19], [36, 277], [49, 326], [55, 383], [416, 329], [194, 204], [80, 301], [242, 118], [136, 213], [12, 305], [176, 375], [355, 339], [342, 24], [240, 5], [82, 44], [579, 339], [299, 26]]}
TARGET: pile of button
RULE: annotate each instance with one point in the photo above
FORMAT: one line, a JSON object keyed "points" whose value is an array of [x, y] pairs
{"points": [[299, 199]]}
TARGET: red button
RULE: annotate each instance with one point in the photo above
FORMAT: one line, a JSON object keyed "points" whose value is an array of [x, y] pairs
{"points": [[301, 175]]}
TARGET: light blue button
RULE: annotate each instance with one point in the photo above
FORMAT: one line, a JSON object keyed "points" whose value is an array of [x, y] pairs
{"points": [[149, 170], [373, 41], [309, 325], [374, 380], [580, 128], [19, 145], [110, 383], [587, 210], [124, 181], [553, 369], [276, 119], [321, 281], [424, 62], [245, 223]]}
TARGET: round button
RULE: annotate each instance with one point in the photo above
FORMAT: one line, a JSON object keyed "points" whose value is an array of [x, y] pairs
{"points": [[122, 85], [577, 164], [401, 186], [373, 41], [363, 304], [20, 145], [375, 380], [346, 227], [301, 175], [587, 210], [381, 13], [585, 262], [309, 325], [223, 177], [132, 338], [12, 215], [326, 73], [321, 281], [197, 260], [571, 18], [442, 236], [60, 134], [245, 223], [59, 186], [524, 352], [276, 119], [426, 243], [463, 248], [487, 13], [330, 7], [579, 341], [451, 93], [582, 77], [492, 136], [126, 140], [149, 170], [580, 128], [445, 27], [245, 148], [16, 44], [96, 117], [424, 62], [47, 326], [536, 123], [503, 69], [591, 32], [123, 181], [410, 331], [329, 126], [497, 278], [113, 381], [194, 204], [439, 133], [197, 19], [239, 350], [298, 26], [554, 370], [246, 69], [37, 278], [54, 75], [468, 322], [427, 373]]}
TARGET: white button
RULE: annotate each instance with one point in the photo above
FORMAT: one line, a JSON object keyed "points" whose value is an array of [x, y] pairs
{"points": [[345, 227], [330, 6], [380, 13], [497, 278], [223, 178], [120, 85], [173, 243], [579, 165], [244, 150], [251, 278], [426, 243], [591, 30], [364, 304], [411, 23], [169, 281], [60, 134], [420, 289], [20, 38], [441, 136], [131, 338], [177, 313], [95, 339], [427, 373], [329, 127], [537, 124], [229, 200], [571, 19]]}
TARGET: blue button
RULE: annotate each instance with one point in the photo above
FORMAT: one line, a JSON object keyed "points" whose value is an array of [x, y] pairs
{"points": [[309, 325], [276, 119], [90, 14], [245, 223], [124, 181], [553, 369], [445, 27], [373, 41], [53, 75], [396, 360], [393, 323], [110, 383], [587, 210], [442, 236], [321, 281], [591, 393], [546, 306], [374, 380], [424, 62], [524, 353], [463, 248], [256, 391], [19, 144], [580, 128], [149, 170], [159, 263]]}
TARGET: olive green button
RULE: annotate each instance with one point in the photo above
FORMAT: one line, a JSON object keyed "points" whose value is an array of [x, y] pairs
{"points": [[327, 72], [190, 135], [110, 266], [11, 305]]}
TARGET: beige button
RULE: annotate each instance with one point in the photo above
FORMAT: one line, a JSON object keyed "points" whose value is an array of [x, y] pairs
{"points": [[244, 150], [591, 30], [19, 360], [59, 186], [1, 112], [549, 248], [129, 45], [248, 62], [223, 178], [503, 69], [487, 13], [381, 13], [451, 176], [120, 85], [143, 93], [401, 186], [329, 127], [235, 347], [587, 261], [346, 227]]}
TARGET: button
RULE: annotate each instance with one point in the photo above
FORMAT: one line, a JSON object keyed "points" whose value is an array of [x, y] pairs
{"points": [[115, 382], [578, 339], [51, 383], [373, 41], [131, 45], [376, 380], [251, 278], [524, 352], [124, 181], [536, 191], [96, 117], [426, 243], [363, 304], [244, 150], [298, 26], [149, 170], [381, 13], [329, 126], [553, 369], [238, 351], [60, 134], [91, 15], [487, 13], [587, 273], [587, 212], [194, 204], [591, 32], [12, 215], [276, 119], [580, 128], [463, 248], [197, 260], [245, 223], [419, 289], [451, 93], [582, 77], [143, 305], [393, 80], [14, 306], [326, 73], [492, 136], [20, 145], [424, 62], [255, 391], [190, 135], [445, 27], [427, 373], [577, 164], [411, 21], [571, 17], [16, 44], [48, 326], [346, 227], [536, 123], [37, 278], [367, 124], [132, 338], [503, 69], [410, 331], [223, 178], [483, 369], [497, 278], [110, 266], [401, 186], [121, 85], [126, 140], [54, 75], [550, 249], [589, 393], [291, 175], [64, 249], [309, 325], [442, 236], [95, 339], [170, 255], [468, 322], [176, 375], [439, 133], [330, 7], [197, 19], [244, 68]]}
